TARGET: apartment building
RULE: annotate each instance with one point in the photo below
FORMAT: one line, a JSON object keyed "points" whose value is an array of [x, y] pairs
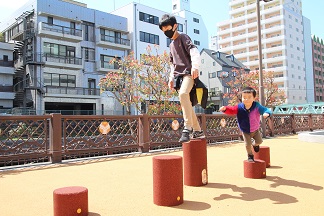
{"points": [[6, 76], [143, 26], [62, 49], [318, 62], [285, 38]]}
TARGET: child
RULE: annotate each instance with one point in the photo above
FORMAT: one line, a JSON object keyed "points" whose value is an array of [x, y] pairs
{"points": [[248, 118], [185, 59]]}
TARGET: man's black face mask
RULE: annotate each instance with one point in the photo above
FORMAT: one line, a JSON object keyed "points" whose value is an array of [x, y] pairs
{"points": [[169, 33]]}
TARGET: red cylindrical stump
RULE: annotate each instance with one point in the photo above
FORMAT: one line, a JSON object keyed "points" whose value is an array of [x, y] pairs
{"points": [[256, 169], [167, 180], [263, 154], [71, 201], [195, 162]]}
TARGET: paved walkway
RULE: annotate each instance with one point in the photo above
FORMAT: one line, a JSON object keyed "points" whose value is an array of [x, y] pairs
{"points": [[294, 184]]}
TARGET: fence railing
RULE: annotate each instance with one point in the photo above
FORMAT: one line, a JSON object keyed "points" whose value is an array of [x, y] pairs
{"points": [[56, 137]]}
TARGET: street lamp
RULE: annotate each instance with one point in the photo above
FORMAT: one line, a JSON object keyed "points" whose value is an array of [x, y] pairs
{"points": [[261, 89]]}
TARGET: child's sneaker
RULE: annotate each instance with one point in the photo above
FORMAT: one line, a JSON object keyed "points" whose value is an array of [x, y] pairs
{"points": [[256, 148], [185, 136], [251, 158], [197, 135]]}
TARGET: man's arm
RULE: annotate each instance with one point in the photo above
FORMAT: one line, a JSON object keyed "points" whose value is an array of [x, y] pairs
{"points": [[195, 62]]}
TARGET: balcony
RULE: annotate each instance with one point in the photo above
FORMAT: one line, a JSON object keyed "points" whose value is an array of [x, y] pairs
{"points": [[6, 92], [110, 41], [76, 92], [106, 67], [7, 67], [62, 61], [60, 32]]}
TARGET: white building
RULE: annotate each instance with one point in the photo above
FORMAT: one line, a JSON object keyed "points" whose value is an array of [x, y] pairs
{"points": [[6, 76], [143, 25], [60, 55], [213, 44], [286, 41], [214, 65]]}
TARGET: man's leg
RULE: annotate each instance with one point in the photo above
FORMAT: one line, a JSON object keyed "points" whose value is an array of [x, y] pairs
{"points": [[184, 96]]}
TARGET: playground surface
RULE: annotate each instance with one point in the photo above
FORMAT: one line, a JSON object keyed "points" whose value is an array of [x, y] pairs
{"points": [[294, 184]]}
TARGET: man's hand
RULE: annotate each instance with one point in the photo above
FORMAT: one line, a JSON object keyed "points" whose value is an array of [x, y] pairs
{"points": [[194, 73], [222, 109], [170, 84], [265, 115]]}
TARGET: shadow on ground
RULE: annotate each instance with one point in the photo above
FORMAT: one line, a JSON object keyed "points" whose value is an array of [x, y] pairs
{"points": [[93, 214], [278, 181], [252, 194], [193, 206]]}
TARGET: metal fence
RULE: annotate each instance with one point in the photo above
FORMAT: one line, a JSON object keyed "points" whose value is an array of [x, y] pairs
{"points": [[56, 137]]}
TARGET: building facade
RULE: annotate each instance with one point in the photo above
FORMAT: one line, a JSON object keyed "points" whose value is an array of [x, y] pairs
{"points": [[143, 26], [285, 38], [6, 76], [60, 55], [318, 62], [214, 65]]}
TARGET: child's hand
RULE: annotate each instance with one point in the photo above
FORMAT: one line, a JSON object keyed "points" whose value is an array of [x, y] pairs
{"points": [[222, 109], [265, 115]]}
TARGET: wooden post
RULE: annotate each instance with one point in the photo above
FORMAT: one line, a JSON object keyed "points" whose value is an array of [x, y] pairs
{"points": [[144, 133], [56, 138]]}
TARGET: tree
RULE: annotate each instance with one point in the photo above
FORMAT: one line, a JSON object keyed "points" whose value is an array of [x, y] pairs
{"points": [[154, 79], [2, 37], [123, 84], [139, 81], [272, 94]]}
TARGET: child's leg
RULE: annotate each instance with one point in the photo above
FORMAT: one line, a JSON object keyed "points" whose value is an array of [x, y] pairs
{"points": [[248, 143], [256, 135]]}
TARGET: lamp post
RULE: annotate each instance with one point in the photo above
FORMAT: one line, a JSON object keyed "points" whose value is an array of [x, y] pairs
{"points": [[261, 89]]}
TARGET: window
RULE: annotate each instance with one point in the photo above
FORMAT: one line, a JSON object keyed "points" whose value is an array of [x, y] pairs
{"points": [[58, 50], [149, 38], [174, 7], [148, 18], [106, 62], [88, 54], [196, 20], [5, 58], [196, 31], [50, 20], [168, 42], [197, 42], [88, 31], [64, 80], [212, 75], [180, 27]]}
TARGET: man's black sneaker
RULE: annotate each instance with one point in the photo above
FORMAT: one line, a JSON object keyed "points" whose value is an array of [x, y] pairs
{"points": [[251, 158], [197, 135], [256, 148], [185, 136]]}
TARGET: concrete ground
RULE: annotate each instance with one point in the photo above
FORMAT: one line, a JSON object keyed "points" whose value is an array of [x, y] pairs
{"points": [[124, 186]]}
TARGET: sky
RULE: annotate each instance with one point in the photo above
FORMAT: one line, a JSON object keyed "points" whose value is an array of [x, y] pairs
{"points": [[212, 11]]}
